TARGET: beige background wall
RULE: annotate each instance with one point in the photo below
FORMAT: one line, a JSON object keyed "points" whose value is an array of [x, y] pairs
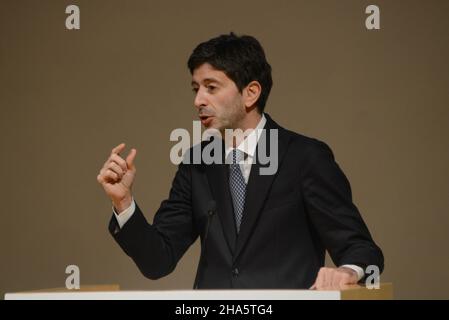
{"points": [[380, 99]]}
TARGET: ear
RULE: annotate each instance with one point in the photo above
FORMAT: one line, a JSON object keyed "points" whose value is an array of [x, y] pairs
{"points": [[251, 93]]}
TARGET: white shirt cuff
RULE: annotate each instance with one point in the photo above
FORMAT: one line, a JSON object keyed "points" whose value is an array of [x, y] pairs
{"points": [[360, 272], [125, 215]]}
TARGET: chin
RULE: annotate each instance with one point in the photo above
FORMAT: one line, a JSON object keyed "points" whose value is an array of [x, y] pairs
{"points": [[213, 125], [216, 128]]}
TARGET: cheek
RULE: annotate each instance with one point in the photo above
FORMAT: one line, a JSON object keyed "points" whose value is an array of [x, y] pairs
{"points": [[227, 105], [221, 104], [232, 102]]}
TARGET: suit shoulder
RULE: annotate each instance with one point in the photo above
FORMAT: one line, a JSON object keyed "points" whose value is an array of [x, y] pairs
{"points": [[194, 155], [308, 147]]}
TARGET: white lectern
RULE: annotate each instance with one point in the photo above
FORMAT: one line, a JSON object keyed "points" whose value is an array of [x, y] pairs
{"points": [[111, 292]]}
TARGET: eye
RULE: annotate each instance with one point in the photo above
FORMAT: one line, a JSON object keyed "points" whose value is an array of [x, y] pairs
{"points": [[211, 88], [195, 90]]}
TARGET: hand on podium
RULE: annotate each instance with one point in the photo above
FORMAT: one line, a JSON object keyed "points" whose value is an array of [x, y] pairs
{"points": [[335, 279]]}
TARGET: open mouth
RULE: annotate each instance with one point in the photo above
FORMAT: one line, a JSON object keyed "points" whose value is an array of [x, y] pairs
{"points": [[205, 120]]}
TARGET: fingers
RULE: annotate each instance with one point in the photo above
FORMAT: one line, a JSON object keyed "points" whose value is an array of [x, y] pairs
{"points": [[119, 161], [318, 285], [111, 176], [336, 279], [115, 157], [333, 279], [130, 159], [324, 279], [124, 164], [107, 176], [118, 149], [116, 167], [342, 279]]}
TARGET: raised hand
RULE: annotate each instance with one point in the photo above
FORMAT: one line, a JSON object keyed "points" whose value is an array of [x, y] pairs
{"points": [[117, 177]]}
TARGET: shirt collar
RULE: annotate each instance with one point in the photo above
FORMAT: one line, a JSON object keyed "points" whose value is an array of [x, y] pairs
{"points": [[248, 146]]}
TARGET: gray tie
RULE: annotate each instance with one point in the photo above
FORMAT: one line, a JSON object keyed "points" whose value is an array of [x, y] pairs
{"points": [[237, 185]]}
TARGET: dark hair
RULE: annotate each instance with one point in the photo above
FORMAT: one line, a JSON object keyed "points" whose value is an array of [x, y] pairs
{"points": [[242, 59]]}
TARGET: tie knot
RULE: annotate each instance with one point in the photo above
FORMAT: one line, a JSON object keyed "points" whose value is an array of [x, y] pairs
{"points": [[237, 156]]}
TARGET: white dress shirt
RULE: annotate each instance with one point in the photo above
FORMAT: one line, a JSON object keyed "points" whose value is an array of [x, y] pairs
{"points": [[248, 146]]}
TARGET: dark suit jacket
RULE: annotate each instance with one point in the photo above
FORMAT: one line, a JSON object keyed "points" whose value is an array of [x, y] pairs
{"points": [[289, 220]]}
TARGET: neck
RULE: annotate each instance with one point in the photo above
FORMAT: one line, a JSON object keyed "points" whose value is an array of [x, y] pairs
{"points": [[249, 122]]}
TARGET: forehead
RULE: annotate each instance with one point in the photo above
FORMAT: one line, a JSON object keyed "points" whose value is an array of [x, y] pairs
{"points": [[207, 73]]}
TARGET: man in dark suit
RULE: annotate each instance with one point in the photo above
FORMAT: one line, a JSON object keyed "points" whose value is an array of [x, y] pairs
{"points": [[257, 230]]}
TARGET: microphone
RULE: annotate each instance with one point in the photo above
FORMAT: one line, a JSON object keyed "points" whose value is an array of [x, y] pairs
{"points": [[210, 213]]}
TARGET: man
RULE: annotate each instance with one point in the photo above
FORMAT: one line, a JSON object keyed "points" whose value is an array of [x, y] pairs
{"points": [[257, 231]]}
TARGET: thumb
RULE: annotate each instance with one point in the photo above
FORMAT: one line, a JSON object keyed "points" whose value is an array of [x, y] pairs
{"points": [[130, 159]]}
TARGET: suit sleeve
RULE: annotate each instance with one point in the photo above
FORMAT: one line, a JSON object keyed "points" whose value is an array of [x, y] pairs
{"points": [[157, 248], [328, 200]]}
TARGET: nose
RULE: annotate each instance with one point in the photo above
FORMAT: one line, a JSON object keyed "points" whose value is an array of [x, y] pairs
{"points": [[200, 99]]}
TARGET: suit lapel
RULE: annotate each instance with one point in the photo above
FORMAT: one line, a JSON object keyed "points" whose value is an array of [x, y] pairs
{"points": [[217, 175], [256, 193], [258, 188]]}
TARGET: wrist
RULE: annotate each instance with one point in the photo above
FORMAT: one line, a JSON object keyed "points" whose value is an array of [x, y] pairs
{"points": [[122, 204], [353, 273]]}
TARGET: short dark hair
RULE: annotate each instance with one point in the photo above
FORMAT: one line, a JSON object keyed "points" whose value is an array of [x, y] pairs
{"points": [[241, 58]]}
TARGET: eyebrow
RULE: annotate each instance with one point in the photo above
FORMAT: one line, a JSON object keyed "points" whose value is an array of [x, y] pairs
{"points": [[206, 81]]}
